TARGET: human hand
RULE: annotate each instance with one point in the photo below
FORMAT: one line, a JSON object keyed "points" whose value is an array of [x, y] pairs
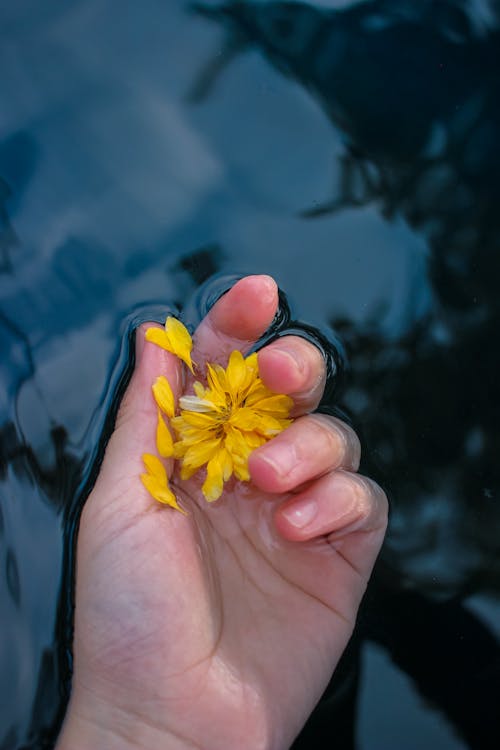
{"points": [[220, 628]]}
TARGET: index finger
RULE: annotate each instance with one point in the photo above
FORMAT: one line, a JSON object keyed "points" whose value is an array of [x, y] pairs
{"points": [[236, 321]]}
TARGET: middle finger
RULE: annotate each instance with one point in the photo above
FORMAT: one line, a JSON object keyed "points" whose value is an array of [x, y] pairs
{"points": [[295, 367], [312, 446]]}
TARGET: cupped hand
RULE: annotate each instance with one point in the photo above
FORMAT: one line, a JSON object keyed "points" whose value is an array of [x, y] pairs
{"points": [[220, 628]]}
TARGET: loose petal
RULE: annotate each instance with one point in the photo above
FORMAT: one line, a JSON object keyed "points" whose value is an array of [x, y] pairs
{"points": [[155, 467], [159, 337], [164, 396], [175, 338], [180, 340], [156, 482], [214, 483], [164, 442]]}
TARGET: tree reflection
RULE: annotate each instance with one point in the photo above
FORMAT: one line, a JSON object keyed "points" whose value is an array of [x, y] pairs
{"points": [[414, 89], [7, 235]]}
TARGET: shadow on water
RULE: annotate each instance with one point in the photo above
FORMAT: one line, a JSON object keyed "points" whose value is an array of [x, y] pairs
{"points": [[18, 156], [414, 90], [8, 238]]}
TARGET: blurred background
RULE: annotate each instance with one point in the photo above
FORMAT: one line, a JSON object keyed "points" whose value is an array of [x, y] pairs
{"points": [[149, 152]]}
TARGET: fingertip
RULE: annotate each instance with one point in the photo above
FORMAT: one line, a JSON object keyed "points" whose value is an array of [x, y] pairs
{"points": [[293, 366], [263, 472], [247, 309], [292, 520], [333, 504], [281, 370]]}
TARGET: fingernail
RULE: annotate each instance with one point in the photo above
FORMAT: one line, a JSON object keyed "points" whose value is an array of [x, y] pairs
{"points": [[301, 514], [281, 457], [292, 357]]}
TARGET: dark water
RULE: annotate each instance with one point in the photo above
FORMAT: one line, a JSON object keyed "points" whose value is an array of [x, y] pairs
{"points": [[353, 152]]}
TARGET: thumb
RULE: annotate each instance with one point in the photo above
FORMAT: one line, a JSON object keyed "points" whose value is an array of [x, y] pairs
{"points": [[135, 427]]}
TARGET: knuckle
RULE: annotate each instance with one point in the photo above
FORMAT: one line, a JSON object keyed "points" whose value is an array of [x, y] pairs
{"points": [[342, 439], [313, 372], [372, 501]]}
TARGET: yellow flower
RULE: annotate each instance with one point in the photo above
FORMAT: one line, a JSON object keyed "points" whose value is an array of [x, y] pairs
{"points": [[156, 482], [175, 338], [221, 425], [218, 426]]}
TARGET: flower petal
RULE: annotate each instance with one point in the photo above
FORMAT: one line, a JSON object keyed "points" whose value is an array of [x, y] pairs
{"points": [[277, 405], [236, 372], [217, 383], [246, 419], [197, 419], [159, 337], [155, 467], [164, 396], [214, 483], [180, 340], [199, 389], [193, 403], [161, 493], [200, 453], [226, 464], [164, 442]]}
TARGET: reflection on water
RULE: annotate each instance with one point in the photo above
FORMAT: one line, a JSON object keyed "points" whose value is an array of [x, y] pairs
{"points": [[135, 165]]}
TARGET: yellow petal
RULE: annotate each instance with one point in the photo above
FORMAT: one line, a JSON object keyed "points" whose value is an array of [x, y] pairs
{"points": [[164, 442], [226, 463], [164, 396], [241, 472], [256, 392], [159, 337], [217, 383], [255, 440], [197, 419], [180, 340], [188, 471], [199, 389], [155, 467], [236, 372], [252, 363], [247, 419], [237, 446], [175, 338], [277, 405], [161, 492], [214, 483], [199, 454], [270, 426]]}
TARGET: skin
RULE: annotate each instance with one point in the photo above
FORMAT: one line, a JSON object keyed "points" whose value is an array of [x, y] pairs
{"points": [[220, 628]]}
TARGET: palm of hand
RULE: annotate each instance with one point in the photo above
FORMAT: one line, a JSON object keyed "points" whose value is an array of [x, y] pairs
{"points": [[208, 610], [213, 627]]}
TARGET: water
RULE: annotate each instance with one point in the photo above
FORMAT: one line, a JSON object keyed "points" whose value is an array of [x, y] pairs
{"points": [[354, 155]]}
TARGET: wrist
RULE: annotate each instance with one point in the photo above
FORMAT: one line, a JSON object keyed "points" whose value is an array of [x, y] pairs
{"points": [[113, 729]]}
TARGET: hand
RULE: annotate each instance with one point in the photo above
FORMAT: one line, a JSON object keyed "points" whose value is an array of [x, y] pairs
{"points": [[220, 628]]}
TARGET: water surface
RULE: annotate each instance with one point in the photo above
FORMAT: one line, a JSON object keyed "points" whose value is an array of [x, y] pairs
{"points": [[351, 150]]}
